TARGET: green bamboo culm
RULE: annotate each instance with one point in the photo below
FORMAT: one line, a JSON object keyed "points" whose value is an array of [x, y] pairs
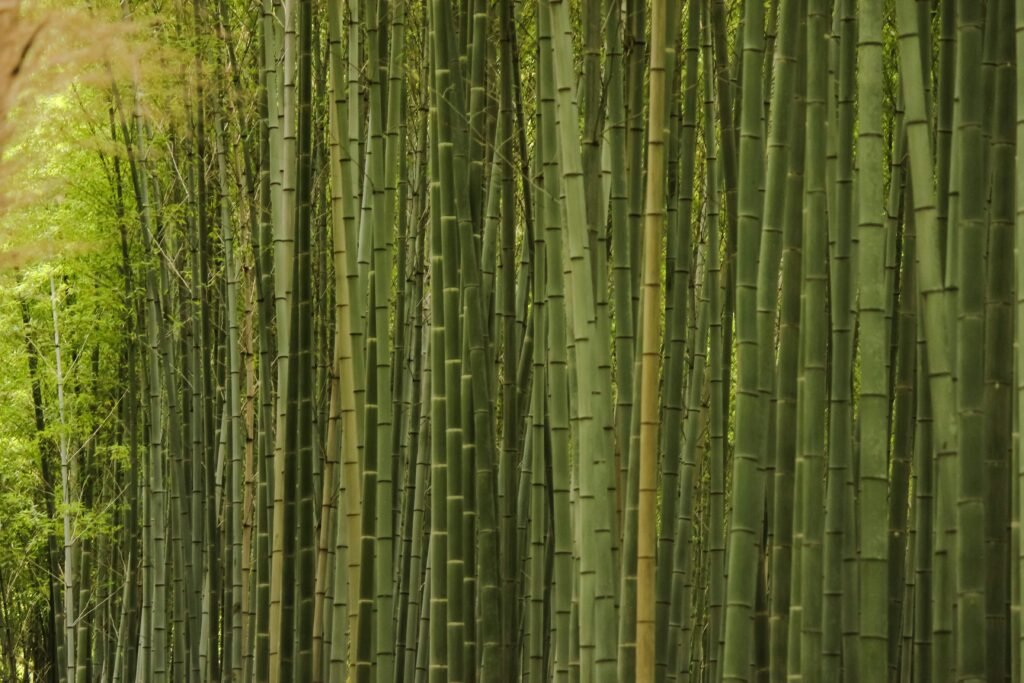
{"points": [[873, 400], [1019, 312], [745, 522], [810, 425], [969, 366]]}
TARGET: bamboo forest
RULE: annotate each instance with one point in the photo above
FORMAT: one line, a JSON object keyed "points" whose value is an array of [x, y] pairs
{"points": [[480, 341]]}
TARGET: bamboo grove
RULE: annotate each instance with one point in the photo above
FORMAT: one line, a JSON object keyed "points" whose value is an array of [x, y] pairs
{"points": [[500, 340]]}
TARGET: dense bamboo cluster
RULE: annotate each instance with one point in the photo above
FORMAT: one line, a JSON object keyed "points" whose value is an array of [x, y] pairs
{"points": [[489, 340]]}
